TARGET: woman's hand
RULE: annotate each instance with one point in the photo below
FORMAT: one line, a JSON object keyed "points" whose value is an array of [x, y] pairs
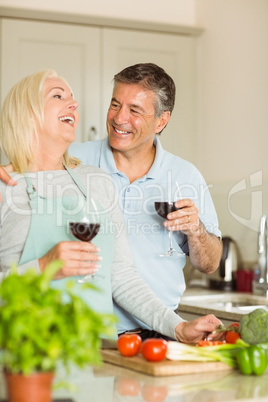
{"points": [[79, 258], [199, 329]]}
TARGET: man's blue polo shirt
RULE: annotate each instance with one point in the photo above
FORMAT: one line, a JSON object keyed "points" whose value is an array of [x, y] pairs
{"points": [[147, 236]]}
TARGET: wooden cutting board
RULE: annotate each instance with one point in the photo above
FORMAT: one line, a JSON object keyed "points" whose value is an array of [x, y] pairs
{"points": [[163, 368]]}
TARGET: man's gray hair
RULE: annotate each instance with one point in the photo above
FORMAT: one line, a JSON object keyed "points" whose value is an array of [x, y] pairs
{"points": [[154, 78]]}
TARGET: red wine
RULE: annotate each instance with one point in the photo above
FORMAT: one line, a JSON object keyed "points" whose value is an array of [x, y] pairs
{"points": [[84, 231], [164, 208]]}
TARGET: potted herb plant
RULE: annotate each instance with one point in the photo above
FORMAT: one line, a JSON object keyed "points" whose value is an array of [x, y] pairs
{"points": [[40, 327]]}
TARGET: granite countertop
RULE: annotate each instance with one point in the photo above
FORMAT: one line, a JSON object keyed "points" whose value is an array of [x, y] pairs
{"points": [[110, 383]]}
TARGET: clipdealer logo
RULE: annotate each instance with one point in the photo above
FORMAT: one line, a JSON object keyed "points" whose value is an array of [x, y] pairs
{"points": [[256, 204]]}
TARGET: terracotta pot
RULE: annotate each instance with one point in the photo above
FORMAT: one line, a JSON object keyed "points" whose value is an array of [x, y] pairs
{"points": [[32, 388]]}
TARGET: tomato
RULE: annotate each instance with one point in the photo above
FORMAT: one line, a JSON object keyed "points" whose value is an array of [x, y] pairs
{"points": [[210, 343], [129, 344], [154, 349], [232, 336], [234, 325]]}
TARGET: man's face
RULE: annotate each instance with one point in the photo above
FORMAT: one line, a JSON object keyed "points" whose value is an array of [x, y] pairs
{"points": [[131, 122]]}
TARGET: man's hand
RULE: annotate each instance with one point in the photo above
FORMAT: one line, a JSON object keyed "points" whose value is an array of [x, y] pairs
{"points": [[199, 329], [186, 218], [79, 257], [205, 249], [4, 176]]}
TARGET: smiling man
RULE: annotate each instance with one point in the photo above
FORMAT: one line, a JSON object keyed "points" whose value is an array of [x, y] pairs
{"points": [[142, 102], [131, 126]]}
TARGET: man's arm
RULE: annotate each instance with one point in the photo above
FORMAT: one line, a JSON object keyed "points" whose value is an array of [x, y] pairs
{"points": [[205, 249], [4, 176]]}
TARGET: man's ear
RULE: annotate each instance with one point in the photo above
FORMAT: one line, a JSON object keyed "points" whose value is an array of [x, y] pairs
{"points": [[162, 121]]}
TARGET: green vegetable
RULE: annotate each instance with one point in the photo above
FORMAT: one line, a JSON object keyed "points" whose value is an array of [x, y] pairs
{"points": [[243, 361], [225, 353], [253, 327], [249, 359], [252, 360], [41, 326]]}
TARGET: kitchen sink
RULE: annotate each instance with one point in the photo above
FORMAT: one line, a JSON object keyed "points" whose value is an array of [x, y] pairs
{"points": [[225, 305]]}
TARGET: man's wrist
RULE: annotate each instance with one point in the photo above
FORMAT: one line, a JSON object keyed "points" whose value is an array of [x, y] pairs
{"points": [[179, 331]]}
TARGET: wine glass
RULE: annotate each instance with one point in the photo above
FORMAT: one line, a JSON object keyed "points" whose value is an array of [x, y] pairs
{"points": [[163, 208], [85, 229]]}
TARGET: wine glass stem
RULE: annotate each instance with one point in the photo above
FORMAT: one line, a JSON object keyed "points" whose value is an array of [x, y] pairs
{"points": [[170, 240]]}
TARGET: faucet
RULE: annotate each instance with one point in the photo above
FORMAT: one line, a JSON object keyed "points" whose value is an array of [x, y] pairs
{"points": [[260, 286]]}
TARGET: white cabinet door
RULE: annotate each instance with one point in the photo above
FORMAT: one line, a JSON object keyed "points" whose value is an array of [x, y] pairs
{"points": [[73, 51], [176, 54]]}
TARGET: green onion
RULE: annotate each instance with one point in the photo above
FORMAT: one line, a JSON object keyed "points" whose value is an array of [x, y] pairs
{"points": [[225, 353]]}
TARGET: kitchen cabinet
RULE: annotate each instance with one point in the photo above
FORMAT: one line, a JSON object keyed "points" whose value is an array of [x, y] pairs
{"points": [[89, 56], [73, 51], [176, 54]]}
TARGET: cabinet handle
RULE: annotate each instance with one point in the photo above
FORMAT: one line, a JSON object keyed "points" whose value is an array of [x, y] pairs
{"points": [[93, 134]]}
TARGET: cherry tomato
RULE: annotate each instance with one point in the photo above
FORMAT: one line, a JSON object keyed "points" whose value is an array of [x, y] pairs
{"points": [[129, 344], [232, 336], [210, 343], [235, 325], [154, 349]]}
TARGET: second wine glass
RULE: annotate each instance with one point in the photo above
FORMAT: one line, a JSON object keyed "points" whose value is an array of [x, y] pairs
{"points": [[163, 208]]}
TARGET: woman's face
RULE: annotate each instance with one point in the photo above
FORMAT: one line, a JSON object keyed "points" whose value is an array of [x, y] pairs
{"points": [[60, 114]]}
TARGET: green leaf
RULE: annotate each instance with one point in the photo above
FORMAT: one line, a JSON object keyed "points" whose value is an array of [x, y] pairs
{"points": [[38, 328]]}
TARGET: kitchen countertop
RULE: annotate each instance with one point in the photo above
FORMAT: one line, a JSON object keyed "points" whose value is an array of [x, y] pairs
{"points": [[225, 305], [110, 383]]}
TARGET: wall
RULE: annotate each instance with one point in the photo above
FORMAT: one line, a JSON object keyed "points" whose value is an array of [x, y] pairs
{"points": [[170, 11], [233, 113]]}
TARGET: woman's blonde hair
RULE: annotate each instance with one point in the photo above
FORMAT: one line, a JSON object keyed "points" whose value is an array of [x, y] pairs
{"points": [[22, 109]]}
